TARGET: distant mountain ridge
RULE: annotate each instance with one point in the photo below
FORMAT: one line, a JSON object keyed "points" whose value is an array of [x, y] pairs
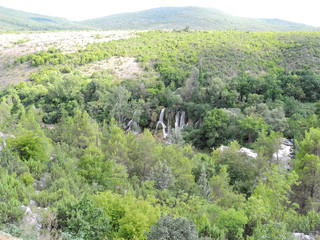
{"points": [[15, 20], [196, 18]]}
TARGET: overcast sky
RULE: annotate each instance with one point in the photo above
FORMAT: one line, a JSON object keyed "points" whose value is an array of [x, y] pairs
{"points": [[307, 11]]}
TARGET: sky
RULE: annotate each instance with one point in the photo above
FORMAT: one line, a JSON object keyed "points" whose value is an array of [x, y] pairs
{"points": [[307, 11]]}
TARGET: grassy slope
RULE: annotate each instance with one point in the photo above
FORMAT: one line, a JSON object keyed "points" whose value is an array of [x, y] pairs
{"points": [[14, 20], [194, 17]]}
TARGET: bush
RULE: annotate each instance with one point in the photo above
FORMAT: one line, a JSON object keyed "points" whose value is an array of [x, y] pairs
{"points": [[84, 220], [12, 195], [168, 227]]}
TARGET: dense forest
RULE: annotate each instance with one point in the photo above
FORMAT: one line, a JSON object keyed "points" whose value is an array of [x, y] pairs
{"points": [[159, 157]]}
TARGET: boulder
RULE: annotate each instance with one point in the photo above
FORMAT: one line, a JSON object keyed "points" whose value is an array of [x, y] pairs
{"points": [[301, 236]]}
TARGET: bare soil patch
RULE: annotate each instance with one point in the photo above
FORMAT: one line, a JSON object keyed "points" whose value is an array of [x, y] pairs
{"points": [[121, 67], [13, 45]]}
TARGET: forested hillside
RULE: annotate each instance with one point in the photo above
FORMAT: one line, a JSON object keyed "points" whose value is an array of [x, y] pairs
{"points": [[14, 20], [190, 147]]}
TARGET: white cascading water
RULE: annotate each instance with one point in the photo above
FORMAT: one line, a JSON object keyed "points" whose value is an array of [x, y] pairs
{"points": [[131, 121], [182, 119], [176, 123], [162, 124], [169, 119]]}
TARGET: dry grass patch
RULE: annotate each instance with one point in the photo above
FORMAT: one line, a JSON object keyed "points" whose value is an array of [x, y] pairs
{"points": [[120, 67]]}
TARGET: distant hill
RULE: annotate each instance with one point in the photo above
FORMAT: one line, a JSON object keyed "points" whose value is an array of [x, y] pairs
{"points": [[14, 20], [195, 17]]}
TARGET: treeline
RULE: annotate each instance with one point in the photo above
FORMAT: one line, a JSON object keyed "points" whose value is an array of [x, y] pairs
{"points": [[83, 145]]}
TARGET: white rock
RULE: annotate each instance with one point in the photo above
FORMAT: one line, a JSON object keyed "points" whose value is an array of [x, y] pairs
{"points": [[33, 203], [301, 236], [249, 152]]}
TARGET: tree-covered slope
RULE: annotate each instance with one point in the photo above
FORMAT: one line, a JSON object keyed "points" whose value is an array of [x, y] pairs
{"points": [[87, 154], [222, 53], [195, 17], [14, 20]]}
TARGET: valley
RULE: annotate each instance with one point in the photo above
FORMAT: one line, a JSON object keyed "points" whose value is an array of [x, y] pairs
{"points": [[169, 133]]}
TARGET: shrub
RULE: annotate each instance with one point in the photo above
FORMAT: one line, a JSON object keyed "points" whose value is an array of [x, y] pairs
{"points": [[168, 227], [84, 220]]}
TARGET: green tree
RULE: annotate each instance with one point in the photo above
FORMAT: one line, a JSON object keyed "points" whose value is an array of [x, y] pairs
{"points": [[250, 127], [95, 168], [162, 176], [168, 227], [232, 222], [11, 162], [84, 220], [130, 217], [203, 183], [29, 146], [6, 119], [270, 200], [276, 119], [242, 169], [12, 196], [117, 104], [268, 145], [212, 132], [307, 165], [79, 131]]}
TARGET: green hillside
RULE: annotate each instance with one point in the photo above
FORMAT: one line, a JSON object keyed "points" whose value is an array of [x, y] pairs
{"points": [[14, 20], [195, 17], [83, 150]]}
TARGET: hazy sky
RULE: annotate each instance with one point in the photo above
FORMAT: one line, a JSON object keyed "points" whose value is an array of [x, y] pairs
{"points": [[307, 11]]}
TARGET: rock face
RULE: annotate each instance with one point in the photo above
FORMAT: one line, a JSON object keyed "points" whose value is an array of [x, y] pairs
{"points": [[249, 152], [284, 155], [301, 236], [32, 217]]}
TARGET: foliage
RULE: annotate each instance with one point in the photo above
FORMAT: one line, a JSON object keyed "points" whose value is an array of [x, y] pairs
{"points": [[83, 145], [29, 146], [242, 169], [84, 220], [161, 175], [168, 227], [12, 195], [307, 166], [270, 200], [130, 217], [232, 222], [250, 128]]}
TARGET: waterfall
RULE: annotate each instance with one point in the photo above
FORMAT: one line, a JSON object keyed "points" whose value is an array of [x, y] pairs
{"points": [[182, 119], [169, 119], [197, 124], [162, 123], [176, 124], [131, 121]]}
